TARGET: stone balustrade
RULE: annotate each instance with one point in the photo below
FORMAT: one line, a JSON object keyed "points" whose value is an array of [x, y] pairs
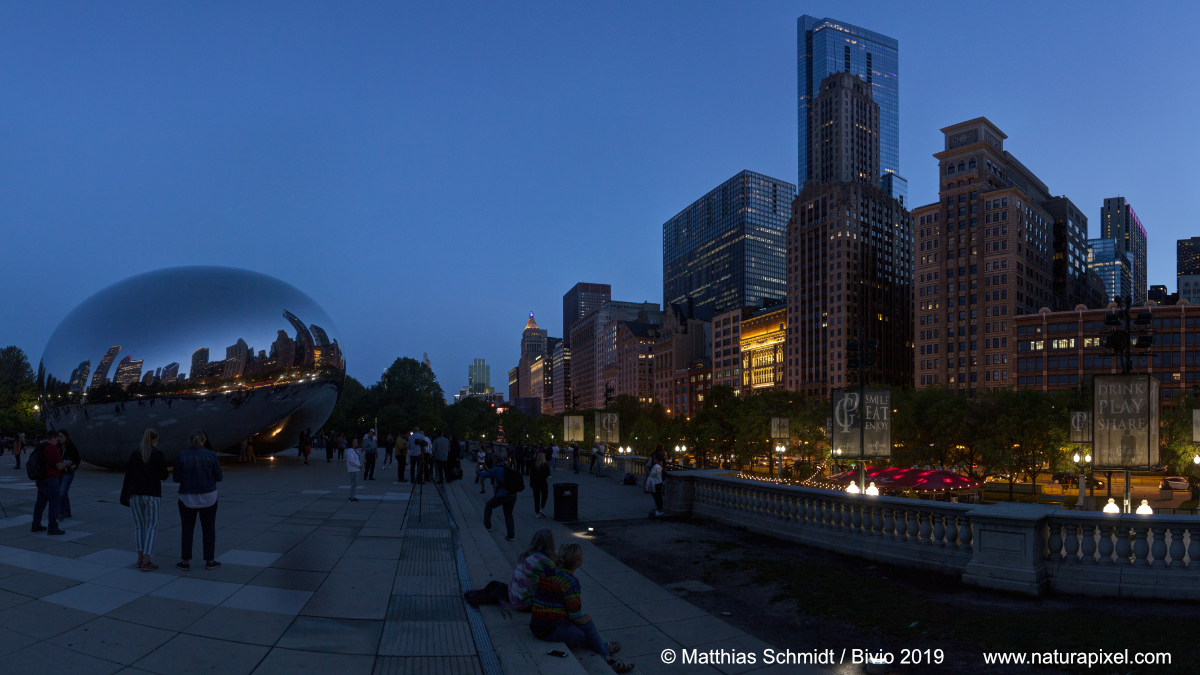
{"points": [[1024, 548]]}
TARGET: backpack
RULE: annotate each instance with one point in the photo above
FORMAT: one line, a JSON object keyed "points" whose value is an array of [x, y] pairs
{"points": [[629, 480], [513, 482], [35, 466]]}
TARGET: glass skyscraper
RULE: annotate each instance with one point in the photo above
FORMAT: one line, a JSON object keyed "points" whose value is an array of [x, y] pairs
{"points": [[726, 250], [826, 46], [1108, 259]]}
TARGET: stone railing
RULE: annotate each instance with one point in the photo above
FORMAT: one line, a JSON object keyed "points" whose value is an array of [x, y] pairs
{"points": [[1117, 554], [1024, 548]]}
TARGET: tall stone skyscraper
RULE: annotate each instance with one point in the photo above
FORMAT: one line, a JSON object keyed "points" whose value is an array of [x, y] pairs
{"points": [[827, 46], [581, 300], [849, 250], [1119, 222]]}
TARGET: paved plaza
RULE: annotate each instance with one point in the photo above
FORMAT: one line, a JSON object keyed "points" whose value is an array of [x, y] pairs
{"points": [[311, 582]]}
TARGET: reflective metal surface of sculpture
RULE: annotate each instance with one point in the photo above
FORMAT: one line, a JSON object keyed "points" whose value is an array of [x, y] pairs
{"points": [[234, 353]]}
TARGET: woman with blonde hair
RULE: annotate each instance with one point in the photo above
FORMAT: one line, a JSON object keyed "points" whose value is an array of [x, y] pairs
{"points": [[144, 473], [538, 559]]}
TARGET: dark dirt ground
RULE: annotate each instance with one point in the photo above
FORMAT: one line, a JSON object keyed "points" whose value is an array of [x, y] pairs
{"points": [[793, 596]]}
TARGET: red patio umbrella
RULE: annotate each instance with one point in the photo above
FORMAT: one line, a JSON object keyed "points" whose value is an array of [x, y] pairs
{"points": [[909, 479]]}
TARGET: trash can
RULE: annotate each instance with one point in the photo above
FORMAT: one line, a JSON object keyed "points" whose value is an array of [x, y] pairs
{"points": [[566, 502]]}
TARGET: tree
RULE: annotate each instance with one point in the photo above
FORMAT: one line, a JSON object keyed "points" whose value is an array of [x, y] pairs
{"points": [[408, 395], [18, 393], [473, 419]]}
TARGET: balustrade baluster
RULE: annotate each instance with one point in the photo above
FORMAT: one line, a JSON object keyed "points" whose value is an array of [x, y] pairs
{"points": [[952, 531], [1177, 549], [939, 529], [877, 521], [1088, 545], [1194, 548], [856, 518], [1106, 544], [889, 522], [1054, 542], [1124, 549], [914, 526], [1141, 550], [1158, 549], [965, 535], [1071, 543]]}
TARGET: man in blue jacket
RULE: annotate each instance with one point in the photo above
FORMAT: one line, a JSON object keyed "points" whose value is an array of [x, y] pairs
{"points": [[508, 484]]}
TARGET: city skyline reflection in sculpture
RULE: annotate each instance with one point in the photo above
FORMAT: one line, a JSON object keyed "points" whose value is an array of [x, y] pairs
{"points": [[153, 338], [869, 421], [573, 428], [1081, 426], [1126, 418], [608, 427]]}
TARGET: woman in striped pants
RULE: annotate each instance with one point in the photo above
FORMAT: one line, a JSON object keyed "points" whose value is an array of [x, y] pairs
{"points": [[144, 474]]}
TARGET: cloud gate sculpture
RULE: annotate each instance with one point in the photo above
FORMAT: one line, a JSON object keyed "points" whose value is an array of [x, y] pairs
{"points": [[234, 353]]}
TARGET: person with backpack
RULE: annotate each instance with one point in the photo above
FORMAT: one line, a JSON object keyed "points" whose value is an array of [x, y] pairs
{"points": [[509, 484], [538, 483], [45, 468], [144, 473], [417, 442]]}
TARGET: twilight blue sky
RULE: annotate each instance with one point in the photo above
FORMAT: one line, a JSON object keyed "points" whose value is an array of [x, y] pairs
{"points": [[431, 172]]}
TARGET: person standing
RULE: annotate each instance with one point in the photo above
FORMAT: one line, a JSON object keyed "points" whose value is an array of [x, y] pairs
{"points": [[71, 454], [480, 465], [554, 456], [18, 449], [353, 464], [441, 453], [452, 460], [595, 455], [242, 454], [401, 455], [518, 457], [300, 448], [329, 442], [654, 478], [47, 481], [509, 484], [198, 471], [250, 451], [370, 452], [341, 447], [538, 483], [575, 457], [388, 448], [142, 492], [417, 443], [308, 443]]}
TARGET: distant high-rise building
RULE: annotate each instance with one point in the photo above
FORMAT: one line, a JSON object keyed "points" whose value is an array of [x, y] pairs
{"points": [[850, 255], [1111, 263], [827, 46], [1073, 285], [1189, 288], [1160, 294], [1119, 222], [79, 376], [304, 340], [591, 352], [725, 250], [101, 375], [1187, 258], [578, 302], [895, 185], [199, 363], [128, 372], [479, 377], [236, 357], [170, 373], [561, 368], [283, 350], [533, 345], [148, 378]]}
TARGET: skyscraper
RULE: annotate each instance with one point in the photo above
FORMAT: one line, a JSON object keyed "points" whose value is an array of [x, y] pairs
{"points": [[170, 372], [582, 299], [726, 249], [849, 250], [827, 46], [1111, 263], [101, 374], [1119, 222], [128, 371], [1187, 258], [479, 377]]}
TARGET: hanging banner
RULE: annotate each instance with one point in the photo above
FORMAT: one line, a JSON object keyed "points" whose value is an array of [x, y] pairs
{"points": [[863, 422], [1196, 425], [1081, 426], [573, 428], [608, 428], [1125, 421], [779, 429]]}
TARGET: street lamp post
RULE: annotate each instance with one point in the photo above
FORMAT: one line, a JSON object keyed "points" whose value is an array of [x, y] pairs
{"points": [[779, 450], [1081, 462]]}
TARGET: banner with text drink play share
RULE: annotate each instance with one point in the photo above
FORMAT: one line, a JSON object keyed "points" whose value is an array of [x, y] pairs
{"points": [[573, 428], [780, 430], [608, 427], [1081, 426], [1196, 425], [864, 416], [1125, 418]]}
